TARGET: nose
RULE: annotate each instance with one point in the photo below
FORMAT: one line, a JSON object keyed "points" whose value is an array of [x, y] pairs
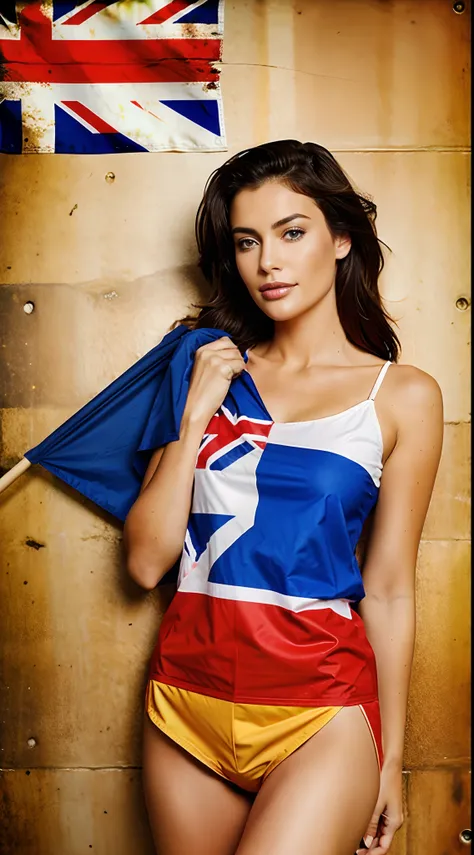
{"points": [[269, 256]]}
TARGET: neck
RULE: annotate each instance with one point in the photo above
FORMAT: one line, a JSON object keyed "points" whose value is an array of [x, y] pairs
{"points": [[316, 337]]}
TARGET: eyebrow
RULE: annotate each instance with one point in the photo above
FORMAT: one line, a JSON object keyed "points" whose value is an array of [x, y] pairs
{"points": [[274, 226]]}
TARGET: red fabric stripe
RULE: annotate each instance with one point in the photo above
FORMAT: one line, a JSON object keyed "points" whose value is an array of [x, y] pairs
{"points": [[174, 71], [254, 653], [88, 12], [226, 432], [36, 58], [97, 123]]}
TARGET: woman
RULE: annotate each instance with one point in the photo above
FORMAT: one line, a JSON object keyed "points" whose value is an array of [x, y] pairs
{"points": [[278, 676]]}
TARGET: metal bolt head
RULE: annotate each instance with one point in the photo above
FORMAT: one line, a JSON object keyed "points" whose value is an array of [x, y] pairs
{"points": [[462, 303], [110, 177], [459, 7], [465, 836], [28, 308]]}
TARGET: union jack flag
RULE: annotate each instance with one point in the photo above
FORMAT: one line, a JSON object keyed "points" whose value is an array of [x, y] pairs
{"points": [[105, 76], [228, 437]]}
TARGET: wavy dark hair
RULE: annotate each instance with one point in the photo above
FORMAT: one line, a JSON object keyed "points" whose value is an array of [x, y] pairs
{"points": [[312, 170]]}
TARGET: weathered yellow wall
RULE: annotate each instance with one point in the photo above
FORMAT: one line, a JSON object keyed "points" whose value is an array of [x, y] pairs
{"points": [[109, 265]]}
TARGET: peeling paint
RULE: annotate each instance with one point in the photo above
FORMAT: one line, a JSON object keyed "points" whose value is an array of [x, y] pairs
{"points": [[35, 127], [34, 544]]}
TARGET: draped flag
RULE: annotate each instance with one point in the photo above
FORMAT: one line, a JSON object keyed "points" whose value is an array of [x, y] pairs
{"points": [[105, 76], [103, 449]]}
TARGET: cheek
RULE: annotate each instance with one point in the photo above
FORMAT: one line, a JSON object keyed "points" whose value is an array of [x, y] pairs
{"points": [[318, 254], [245, 265]]}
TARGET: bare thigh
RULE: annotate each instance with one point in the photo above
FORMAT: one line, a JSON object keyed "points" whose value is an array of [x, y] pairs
{"points": [[191, 810], [319, 799]]}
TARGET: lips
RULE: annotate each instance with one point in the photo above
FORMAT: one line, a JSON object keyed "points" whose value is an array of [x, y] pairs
{"points": [[270, 286]]}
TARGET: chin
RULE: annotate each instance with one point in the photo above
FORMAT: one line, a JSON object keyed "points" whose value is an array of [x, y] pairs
{"points": [[278, 311], [283, 317]]}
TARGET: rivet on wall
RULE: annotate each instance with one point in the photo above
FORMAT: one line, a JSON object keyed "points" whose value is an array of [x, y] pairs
{"points": [[28, 308], [465, 836], [459, 7], [110, 177], [462, 303], [31, 742]]}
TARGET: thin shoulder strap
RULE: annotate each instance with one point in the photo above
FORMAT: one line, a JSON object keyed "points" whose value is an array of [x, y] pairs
{"points": [[379, 380]]}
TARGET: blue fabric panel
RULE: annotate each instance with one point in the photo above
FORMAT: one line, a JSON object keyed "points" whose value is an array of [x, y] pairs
{"points": [[62, 7], [203, 113], [10, 127], [201, 527], [314, 504], [205, 14], [71, 137]]}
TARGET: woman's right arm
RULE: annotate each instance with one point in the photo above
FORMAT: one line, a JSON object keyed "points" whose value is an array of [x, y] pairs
{"points": [[155, 526]]}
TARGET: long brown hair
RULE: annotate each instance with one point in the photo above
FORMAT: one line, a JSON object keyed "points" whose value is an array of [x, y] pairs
{"points": [[312, 170]]}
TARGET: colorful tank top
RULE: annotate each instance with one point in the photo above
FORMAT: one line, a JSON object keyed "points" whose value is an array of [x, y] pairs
{"points": [[268, 573]]}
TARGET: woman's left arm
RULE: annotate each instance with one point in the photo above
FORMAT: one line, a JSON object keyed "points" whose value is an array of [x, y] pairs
{"points": [[388, 609]]}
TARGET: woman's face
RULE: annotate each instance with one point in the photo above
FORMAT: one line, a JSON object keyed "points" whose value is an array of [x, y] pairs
{"points": [[282, 240]]}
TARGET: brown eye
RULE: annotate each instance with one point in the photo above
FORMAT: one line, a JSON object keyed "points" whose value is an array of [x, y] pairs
{"points": [[243, 244]]}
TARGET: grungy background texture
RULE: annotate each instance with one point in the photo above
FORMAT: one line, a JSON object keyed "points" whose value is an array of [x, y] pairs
{"points": [[109, 264]]}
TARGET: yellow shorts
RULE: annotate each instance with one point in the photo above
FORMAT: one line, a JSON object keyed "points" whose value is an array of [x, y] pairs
{"points": [[241, 742]]}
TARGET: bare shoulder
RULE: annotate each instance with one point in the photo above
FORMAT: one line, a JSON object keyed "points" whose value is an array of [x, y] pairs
{"points": [[416, 395], [412, 385]]}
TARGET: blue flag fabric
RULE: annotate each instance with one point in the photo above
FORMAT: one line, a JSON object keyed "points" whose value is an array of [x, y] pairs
{"points": [[103, 450]]}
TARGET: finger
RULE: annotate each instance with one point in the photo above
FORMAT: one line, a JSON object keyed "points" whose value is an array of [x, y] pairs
{"points": [[386, 832], [368, 848], [230, 367], [216, 360], [229, 354], [223, 352], [373, 825], [219, 344], [236, 367], [228, 358], [383, 844]]}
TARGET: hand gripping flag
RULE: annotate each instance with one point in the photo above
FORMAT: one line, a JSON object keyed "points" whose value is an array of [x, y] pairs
{"points": [[103, 450], [105, 76]]}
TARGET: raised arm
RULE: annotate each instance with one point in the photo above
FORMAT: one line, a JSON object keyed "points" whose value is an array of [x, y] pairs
{"points": [[156, 524]]}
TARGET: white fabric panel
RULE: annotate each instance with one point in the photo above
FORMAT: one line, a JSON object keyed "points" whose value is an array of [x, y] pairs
{"points": [[354, 433]]}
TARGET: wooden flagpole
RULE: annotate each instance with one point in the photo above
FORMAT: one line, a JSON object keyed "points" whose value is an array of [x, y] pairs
{"points": [[14, 473]]}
